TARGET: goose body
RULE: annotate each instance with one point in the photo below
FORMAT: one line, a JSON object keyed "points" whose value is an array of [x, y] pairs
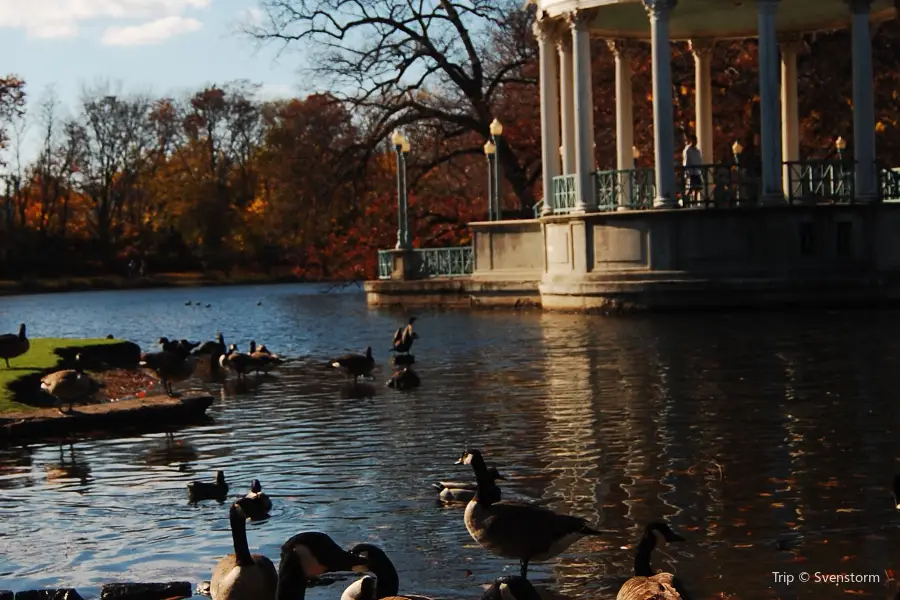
{"points": [[387, 580], [404, 337], [462, 491], [238, 362], [357, 365], [511, 587], [201, 490], [242, 575], [265, 361], [212, 351], [263, 502], [647, 584], [70, 385], [519, 530], [169, 366], [14, 345]]}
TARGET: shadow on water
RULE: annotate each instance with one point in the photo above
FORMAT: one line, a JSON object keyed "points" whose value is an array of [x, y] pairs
{"points": [[767, 440]]}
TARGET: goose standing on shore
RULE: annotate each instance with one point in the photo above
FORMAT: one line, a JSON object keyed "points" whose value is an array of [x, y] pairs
{"points": [[70, 385], [242, 575], [404, 338], [357, 365], [174, 364], [513, 529], [647, 584], [14, 345]]}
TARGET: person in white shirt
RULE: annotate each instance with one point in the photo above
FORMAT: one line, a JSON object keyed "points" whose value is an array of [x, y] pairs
{"points": [[692, 159]]}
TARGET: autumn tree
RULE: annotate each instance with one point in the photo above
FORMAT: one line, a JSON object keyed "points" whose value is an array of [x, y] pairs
{"points": [[12, 106], [440, 65]]}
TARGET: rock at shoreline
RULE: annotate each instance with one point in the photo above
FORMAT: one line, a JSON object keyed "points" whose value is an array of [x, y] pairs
{"points": [[59, 594], [146, 591]]}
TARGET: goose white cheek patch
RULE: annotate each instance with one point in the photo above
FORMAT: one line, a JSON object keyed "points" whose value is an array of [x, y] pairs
{"points": [[311, 565]]}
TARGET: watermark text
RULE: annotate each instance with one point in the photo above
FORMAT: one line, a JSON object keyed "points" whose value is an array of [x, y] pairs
{"points": [[819, 577]]}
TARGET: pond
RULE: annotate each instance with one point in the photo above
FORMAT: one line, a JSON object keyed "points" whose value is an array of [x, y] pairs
{"points": [[768, 440]]}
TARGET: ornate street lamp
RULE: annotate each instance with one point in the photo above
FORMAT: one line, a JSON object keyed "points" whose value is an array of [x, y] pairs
{"points": [[635, 154], [736, 150], [401, 147], [496, 130], [490, 151], [841, 145]]}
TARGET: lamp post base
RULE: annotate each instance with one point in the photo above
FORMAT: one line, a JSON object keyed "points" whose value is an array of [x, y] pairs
{"points": [[404, 264]]}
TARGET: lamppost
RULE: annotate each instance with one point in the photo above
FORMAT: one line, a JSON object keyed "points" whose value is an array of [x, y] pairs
{"points": [[496, 130], [840, 144], [401, 147], [490, 151], [635, 154], [736, 150]]}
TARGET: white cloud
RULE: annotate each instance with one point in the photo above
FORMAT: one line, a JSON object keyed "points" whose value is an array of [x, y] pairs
{"points": [[276, 91], [151, 32], [61, 18]]}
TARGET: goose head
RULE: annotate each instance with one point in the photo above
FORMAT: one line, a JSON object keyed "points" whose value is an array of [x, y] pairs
{"points": [[252, 346], [255, 486], [220, 477], [315, 553], [511, 587], [21, 331], [378, 563], [469, 457]]}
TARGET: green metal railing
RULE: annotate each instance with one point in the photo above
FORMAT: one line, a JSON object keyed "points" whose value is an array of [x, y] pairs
{"points": [[633, 189], [564, 193], [725, 184], [432, 262], [812, 181], [889, 184]]}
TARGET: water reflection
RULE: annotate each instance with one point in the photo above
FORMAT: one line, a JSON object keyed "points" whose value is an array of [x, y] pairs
{"points": [[69, 466], [740, 430]]}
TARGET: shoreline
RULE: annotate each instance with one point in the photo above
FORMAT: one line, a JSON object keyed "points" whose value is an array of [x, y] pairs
{"points": [[158, 281]]}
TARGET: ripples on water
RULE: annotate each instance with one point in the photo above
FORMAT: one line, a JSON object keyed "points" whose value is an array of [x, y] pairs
{"points": [[739, 430]]}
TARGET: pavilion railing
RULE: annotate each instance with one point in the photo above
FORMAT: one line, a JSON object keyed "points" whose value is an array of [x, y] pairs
{"points": [[385, 264], [889, 184], [564, 193], [814, 181], [431, 262], [632, 189], [719, 185]]}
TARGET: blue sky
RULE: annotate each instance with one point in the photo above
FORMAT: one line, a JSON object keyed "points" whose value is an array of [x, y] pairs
{"points": [[166, 47]]}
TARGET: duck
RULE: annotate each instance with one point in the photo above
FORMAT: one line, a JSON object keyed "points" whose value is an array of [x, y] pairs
{"points": [[242, 575], [511, 587], [264, 503], [356, 365], [201, 490], [364, 588], [169, 366], [238, 362], [14, 345], [404, 337], [70, 385], [514, 529], [404, 379], [378, 563], [647, 584], [897, 492], [463, 491]]}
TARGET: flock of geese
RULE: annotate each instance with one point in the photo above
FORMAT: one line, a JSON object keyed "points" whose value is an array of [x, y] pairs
{"points": [[512, 529], [179, 360]]}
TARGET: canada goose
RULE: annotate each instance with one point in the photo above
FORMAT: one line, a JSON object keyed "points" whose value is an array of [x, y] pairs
{"points": [[238, 362], [378, 563], [14, 345], [265, 361], [404, 337], [264, 503], [463, 491], [242, 576], [511, 587], [897, 492], [356, 364], [308, 555], [647, 584], [169, 366], [404, 379], [182, 347], [513, 529], [364, 588], [212, 351], [200, 490], [70, 385]]}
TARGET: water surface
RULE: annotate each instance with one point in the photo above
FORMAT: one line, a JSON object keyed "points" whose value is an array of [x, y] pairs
{"points": [[768, 440]]}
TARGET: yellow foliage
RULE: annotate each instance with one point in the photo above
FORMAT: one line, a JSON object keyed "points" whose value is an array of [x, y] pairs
{"points": [[880, 127]]}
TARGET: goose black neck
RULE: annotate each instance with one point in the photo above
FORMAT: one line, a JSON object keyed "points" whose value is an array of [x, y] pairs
{"points": [[487, 493], [645, 548], [239, 537], [291, 578], [388, 580]]}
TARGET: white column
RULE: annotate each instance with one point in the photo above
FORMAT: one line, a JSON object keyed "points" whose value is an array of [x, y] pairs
{"points": [[623, 50], [791, 46], [544, 31], [769, 103], [584, 107], [567, 102], [663, 116], [863, 102], [703, 51]]}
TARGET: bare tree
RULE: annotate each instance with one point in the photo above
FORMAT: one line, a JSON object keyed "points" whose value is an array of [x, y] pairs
{"points": [[441, 64]]}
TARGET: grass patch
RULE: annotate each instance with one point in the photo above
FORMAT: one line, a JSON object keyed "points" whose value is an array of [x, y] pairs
{"points": [[40, 358]]}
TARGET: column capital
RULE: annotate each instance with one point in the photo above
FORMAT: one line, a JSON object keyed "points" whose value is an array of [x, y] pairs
{"points": [[564, 43], [767, 6], [859, 6], [793, 43], [580, 17], [622, 48], [547, 30], [659, 8], [702, 47]]}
